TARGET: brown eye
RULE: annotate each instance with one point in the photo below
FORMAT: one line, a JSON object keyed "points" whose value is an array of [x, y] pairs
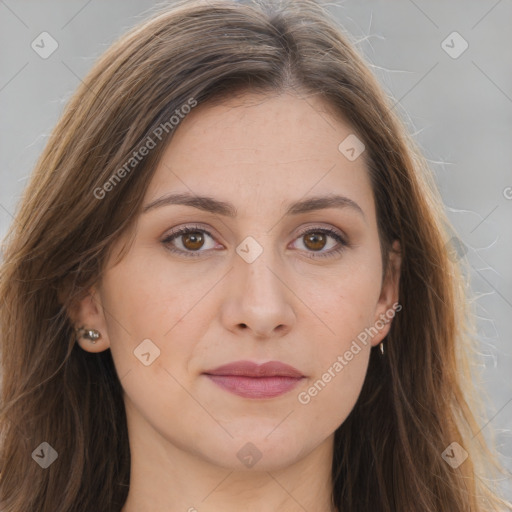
{"points": [[193, 240], [321, 242], [315, 240], [189, 241]]}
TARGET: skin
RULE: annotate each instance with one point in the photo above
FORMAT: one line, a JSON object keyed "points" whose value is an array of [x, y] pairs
{"points": [[258, 153]]}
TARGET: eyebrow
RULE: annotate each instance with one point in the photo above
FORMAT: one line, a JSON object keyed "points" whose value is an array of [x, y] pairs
{"points": [[211, 205]]}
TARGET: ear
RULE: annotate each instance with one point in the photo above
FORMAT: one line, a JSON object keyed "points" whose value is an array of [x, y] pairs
{"points": [[388, 305], [88, 312]]}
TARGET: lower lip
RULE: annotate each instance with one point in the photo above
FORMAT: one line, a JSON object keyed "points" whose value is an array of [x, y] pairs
{"points": [[255, 387]]}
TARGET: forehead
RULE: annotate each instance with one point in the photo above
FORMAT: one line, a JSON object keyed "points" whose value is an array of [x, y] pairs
{"points": [[262, 148]]}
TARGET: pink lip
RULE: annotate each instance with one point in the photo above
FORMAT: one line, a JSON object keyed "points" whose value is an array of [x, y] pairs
{"points": [[252, 380]]}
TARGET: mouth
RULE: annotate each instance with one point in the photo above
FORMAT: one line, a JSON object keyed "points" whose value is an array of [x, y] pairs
{"points": [[252, 380]]}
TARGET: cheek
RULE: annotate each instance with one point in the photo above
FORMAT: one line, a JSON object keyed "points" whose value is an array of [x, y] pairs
{"points": [[347, 307], [142, 310], [331, 394], [148, 311], [149, 298], [144, 301], [341, 361], [350, 301]]}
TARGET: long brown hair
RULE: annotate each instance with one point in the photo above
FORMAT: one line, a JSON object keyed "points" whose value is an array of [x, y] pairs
{"points": [[416, 400]]}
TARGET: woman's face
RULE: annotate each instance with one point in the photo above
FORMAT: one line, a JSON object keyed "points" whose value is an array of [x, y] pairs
{"points": [[257, 280]]}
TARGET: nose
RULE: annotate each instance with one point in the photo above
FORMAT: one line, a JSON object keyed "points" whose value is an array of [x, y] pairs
{"points": [[259, 300]]}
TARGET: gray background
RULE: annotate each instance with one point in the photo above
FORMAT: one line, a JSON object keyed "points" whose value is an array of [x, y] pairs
{"points": [[459, 110]]}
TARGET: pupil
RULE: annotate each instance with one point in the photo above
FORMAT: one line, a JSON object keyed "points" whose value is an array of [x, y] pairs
{"points": [[316, 238], [195, 239]]}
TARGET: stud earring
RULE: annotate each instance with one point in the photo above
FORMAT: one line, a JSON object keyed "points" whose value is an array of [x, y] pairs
{"points": [[89, 334]]}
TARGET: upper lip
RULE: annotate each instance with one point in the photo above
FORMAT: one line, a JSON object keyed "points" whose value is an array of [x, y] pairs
{"points": [[251, 369]]}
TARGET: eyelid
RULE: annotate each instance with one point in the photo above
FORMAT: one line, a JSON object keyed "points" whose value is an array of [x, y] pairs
{"points": [[328, 228], [184, 229]]}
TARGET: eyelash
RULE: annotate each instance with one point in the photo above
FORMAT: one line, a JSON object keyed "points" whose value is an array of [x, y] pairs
{"points": [[343, 244]]}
